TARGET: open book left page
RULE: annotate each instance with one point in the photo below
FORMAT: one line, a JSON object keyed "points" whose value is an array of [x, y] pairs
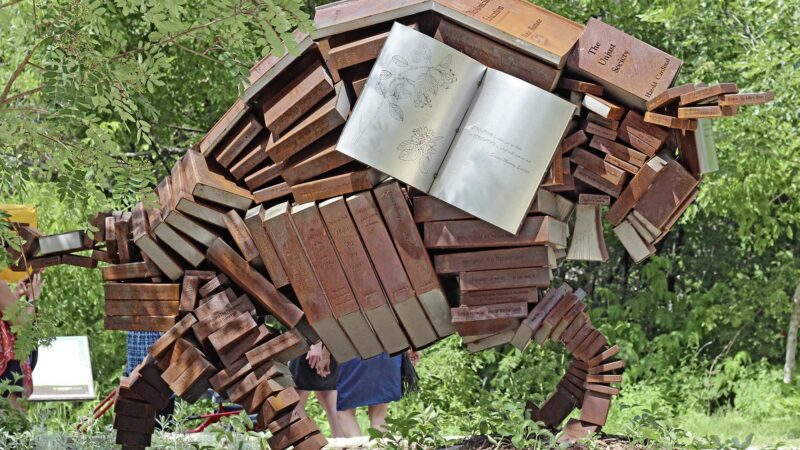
{"points": [[415, 98]]}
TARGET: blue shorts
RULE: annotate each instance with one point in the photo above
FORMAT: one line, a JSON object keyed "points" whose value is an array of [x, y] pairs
{"points": [[369, 382]]}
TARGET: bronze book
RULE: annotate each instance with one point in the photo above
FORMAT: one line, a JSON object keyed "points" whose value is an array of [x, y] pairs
{"points": [[356, 52], [512, 258], [639, 184], [325, 118], [643, 136], [225, 123], [505, 279], [141, 308], [361, 274], [248, 278], [178, 242], [205, 184], [336, 185], [143, 239], [498, 56], [269, 67], [263, 176], [269, 256], [241, 236], [252, 158], [280, 228], [139, 323], [415, 258], [491, 297], [324, 159], [629, 69], [390, 269], [323, 258], [471, 320], [271, 193], [671, 186], [604, 170], [478, 234], [340, 17], [296, 99], [237, 140], [518, 24]]}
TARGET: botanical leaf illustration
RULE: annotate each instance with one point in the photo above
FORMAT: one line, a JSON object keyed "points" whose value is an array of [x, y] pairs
{"points": [[402, 80], [408, 151], [425, 88], [422, 54], [400, 91], [423, 146], [400, 61], [396, 112], [446, 77]]}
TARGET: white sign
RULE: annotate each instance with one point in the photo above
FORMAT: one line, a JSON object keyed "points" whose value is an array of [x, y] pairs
{"points": [[64, 371]]}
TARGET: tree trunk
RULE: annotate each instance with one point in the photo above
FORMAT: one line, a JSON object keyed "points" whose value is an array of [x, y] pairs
{"points": [[791, 338]]}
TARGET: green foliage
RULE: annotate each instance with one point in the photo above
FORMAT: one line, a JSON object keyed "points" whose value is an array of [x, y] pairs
{"points": [[414, 429], [98, 97]]}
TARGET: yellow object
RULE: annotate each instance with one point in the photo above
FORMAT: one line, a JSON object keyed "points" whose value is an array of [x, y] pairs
{"points": [[23, 214]]}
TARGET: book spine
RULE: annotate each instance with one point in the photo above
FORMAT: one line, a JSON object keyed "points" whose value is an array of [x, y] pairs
{"points": [[476, 234], [414, 257], [229, 261], [322, 257]]}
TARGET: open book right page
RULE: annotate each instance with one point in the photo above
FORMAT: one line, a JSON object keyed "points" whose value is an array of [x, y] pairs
{"points": [[502, 150]]}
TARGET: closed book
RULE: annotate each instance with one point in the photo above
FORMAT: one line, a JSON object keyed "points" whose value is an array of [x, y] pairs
{"points": [[630, 70], [413, 255], [361, 274], [519, 24], [323, 258], [456, 234], [295, 261], [257, 287], [390, 269]]}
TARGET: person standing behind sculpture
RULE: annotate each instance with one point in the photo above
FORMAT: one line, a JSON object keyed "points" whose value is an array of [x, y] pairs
{"points": [[316, 372], [12, 370], [373, 383]]}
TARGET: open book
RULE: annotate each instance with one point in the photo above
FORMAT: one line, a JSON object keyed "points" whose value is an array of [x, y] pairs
{"points": [[446, 124]]}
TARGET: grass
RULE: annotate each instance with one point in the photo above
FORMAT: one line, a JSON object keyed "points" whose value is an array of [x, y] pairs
{"points": [[769, 432]]}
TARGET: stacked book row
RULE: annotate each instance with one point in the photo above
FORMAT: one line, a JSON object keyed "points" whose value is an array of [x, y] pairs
{"points": [[561, 317], [221, 346]]}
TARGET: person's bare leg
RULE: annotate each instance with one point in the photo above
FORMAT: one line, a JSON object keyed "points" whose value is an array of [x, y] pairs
{"points": [[301, 405], [328, 401], [349, 424], [377, 416]]}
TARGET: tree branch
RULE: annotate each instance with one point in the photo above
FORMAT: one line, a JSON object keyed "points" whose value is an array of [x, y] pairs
{"points": [[57, 141], [10, 4], [27, 58], [21, 95], [185, 128], [183, 33], [36, 110], [196, 53], [17, 72]]}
